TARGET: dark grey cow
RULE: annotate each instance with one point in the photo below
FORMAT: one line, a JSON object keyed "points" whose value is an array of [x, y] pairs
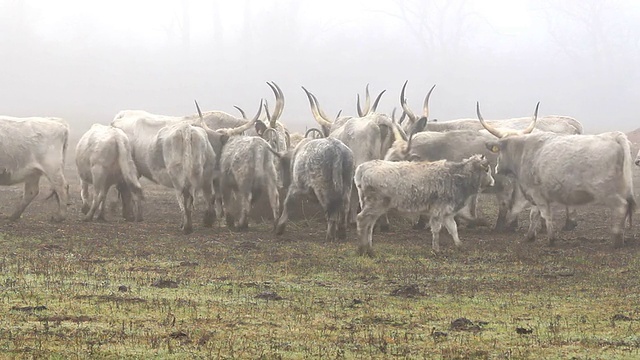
{"points": [[437, 190], [570, 170], [324, 168]]}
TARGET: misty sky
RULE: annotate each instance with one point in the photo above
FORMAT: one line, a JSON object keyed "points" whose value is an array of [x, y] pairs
{"points": [[85, 61]]}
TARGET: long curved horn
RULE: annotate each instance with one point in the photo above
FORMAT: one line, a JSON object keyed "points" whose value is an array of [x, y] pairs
{"points": [[425, 106], [198, 108], [312, 130], [269, 118], [244, 116], [397, 135], [375, 103], [338, 114], [240, 129], [531, 126], [403, 102], [417, 127], [314, 110], [277, 111], [367, 102], [273, 138], [495, 132], [201, 122]]}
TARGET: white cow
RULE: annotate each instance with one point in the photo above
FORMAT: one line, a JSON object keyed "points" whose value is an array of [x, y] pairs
{"points": [[30, 148], [103, 158]]}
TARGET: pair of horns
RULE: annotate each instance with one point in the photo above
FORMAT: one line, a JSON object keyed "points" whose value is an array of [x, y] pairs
{"points": [[368, 110], [499, 133]]}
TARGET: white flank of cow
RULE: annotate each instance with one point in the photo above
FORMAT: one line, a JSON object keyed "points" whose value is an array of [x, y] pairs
{"points": [[103, 159], [30, 148], [324, 168], [571, 170], [437, 190]]}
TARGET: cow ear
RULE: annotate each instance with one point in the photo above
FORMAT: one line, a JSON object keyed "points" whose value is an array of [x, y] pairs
{"points": [[260, 127], [493, 146]]}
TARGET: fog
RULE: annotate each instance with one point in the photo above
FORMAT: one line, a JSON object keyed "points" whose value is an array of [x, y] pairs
{"points": [[85, 61]]}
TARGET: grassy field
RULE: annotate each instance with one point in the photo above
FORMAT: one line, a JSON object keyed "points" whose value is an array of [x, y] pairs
{"points": [[114, 290]]}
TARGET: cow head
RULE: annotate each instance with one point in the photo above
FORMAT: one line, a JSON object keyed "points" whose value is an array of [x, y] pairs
{"points": [[367, 109], [411, 117], [480, 164], [504, 133], [321, 118]]}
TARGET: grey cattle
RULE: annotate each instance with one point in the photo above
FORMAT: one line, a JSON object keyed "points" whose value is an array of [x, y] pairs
{"points": [[434, 189], [324, 168], [637, 160], [552, 123], [570, 170], [248, 168], [159, 143], [103, 159], [368, 137], [30, 148]]}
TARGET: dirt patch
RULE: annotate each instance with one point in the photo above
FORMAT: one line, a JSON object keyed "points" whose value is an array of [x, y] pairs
{"points": [[408, 291], [165, 284], [464, 324], [111, 298]]}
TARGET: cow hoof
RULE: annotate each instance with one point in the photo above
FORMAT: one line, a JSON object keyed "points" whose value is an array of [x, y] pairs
{"points": [[87, 219], [365, 251], [187, 230], [618, 241], [85, 209], [530, 238], [242, 227], [569, 225], [278, 229], [418, 226]]}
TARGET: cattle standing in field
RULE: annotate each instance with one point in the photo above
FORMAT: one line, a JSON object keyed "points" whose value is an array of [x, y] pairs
{"points": [[170, 151], [570, 170], [103, 158], [248, 168], [368, 136], [324, 168], [30, 148], [553, 123], [434, 189]]}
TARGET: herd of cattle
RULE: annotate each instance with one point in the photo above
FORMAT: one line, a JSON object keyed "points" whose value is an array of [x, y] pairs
{"points": [[432, 169]]}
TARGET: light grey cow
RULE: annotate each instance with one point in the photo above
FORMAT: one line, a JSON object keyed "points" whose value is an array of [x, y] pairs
{"points": [[437, 190], [571, 170], [324, 168], [103, 159], [29, 149]]}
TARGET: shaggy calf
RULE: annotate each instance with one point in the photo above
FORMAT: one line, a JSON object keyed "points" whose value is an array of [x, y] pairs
{"points": [[103, 158], [435, 189], [325, 168]]}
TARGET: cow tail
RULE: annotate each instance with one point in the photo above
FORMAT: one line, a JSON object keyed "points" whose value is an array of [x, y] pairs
{"points": [[127, 166], [334, 204], [627, 174], [188, 167]]}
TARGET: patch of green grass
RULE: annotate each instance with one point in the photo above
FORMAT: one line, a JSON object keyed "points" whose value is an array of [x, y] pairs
{"points": [[250, 295]]}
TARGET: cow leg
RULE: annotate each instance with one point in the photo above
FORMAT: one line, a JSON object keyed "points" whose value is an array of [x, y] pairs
{"points": [[571, 221], [436, 224], [218, 198], [366, 220], [353, 209], [274, 201], [61, 188], [383, 223], [228, 217], [185, 201], [421, 224], [210, 213], [288, 202], [101, 196], [534, 220], [85, 195], [452, 228], [128, 206], [545, 212], [31, 190], [618, 218], [244, 199], [341, 233]]}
